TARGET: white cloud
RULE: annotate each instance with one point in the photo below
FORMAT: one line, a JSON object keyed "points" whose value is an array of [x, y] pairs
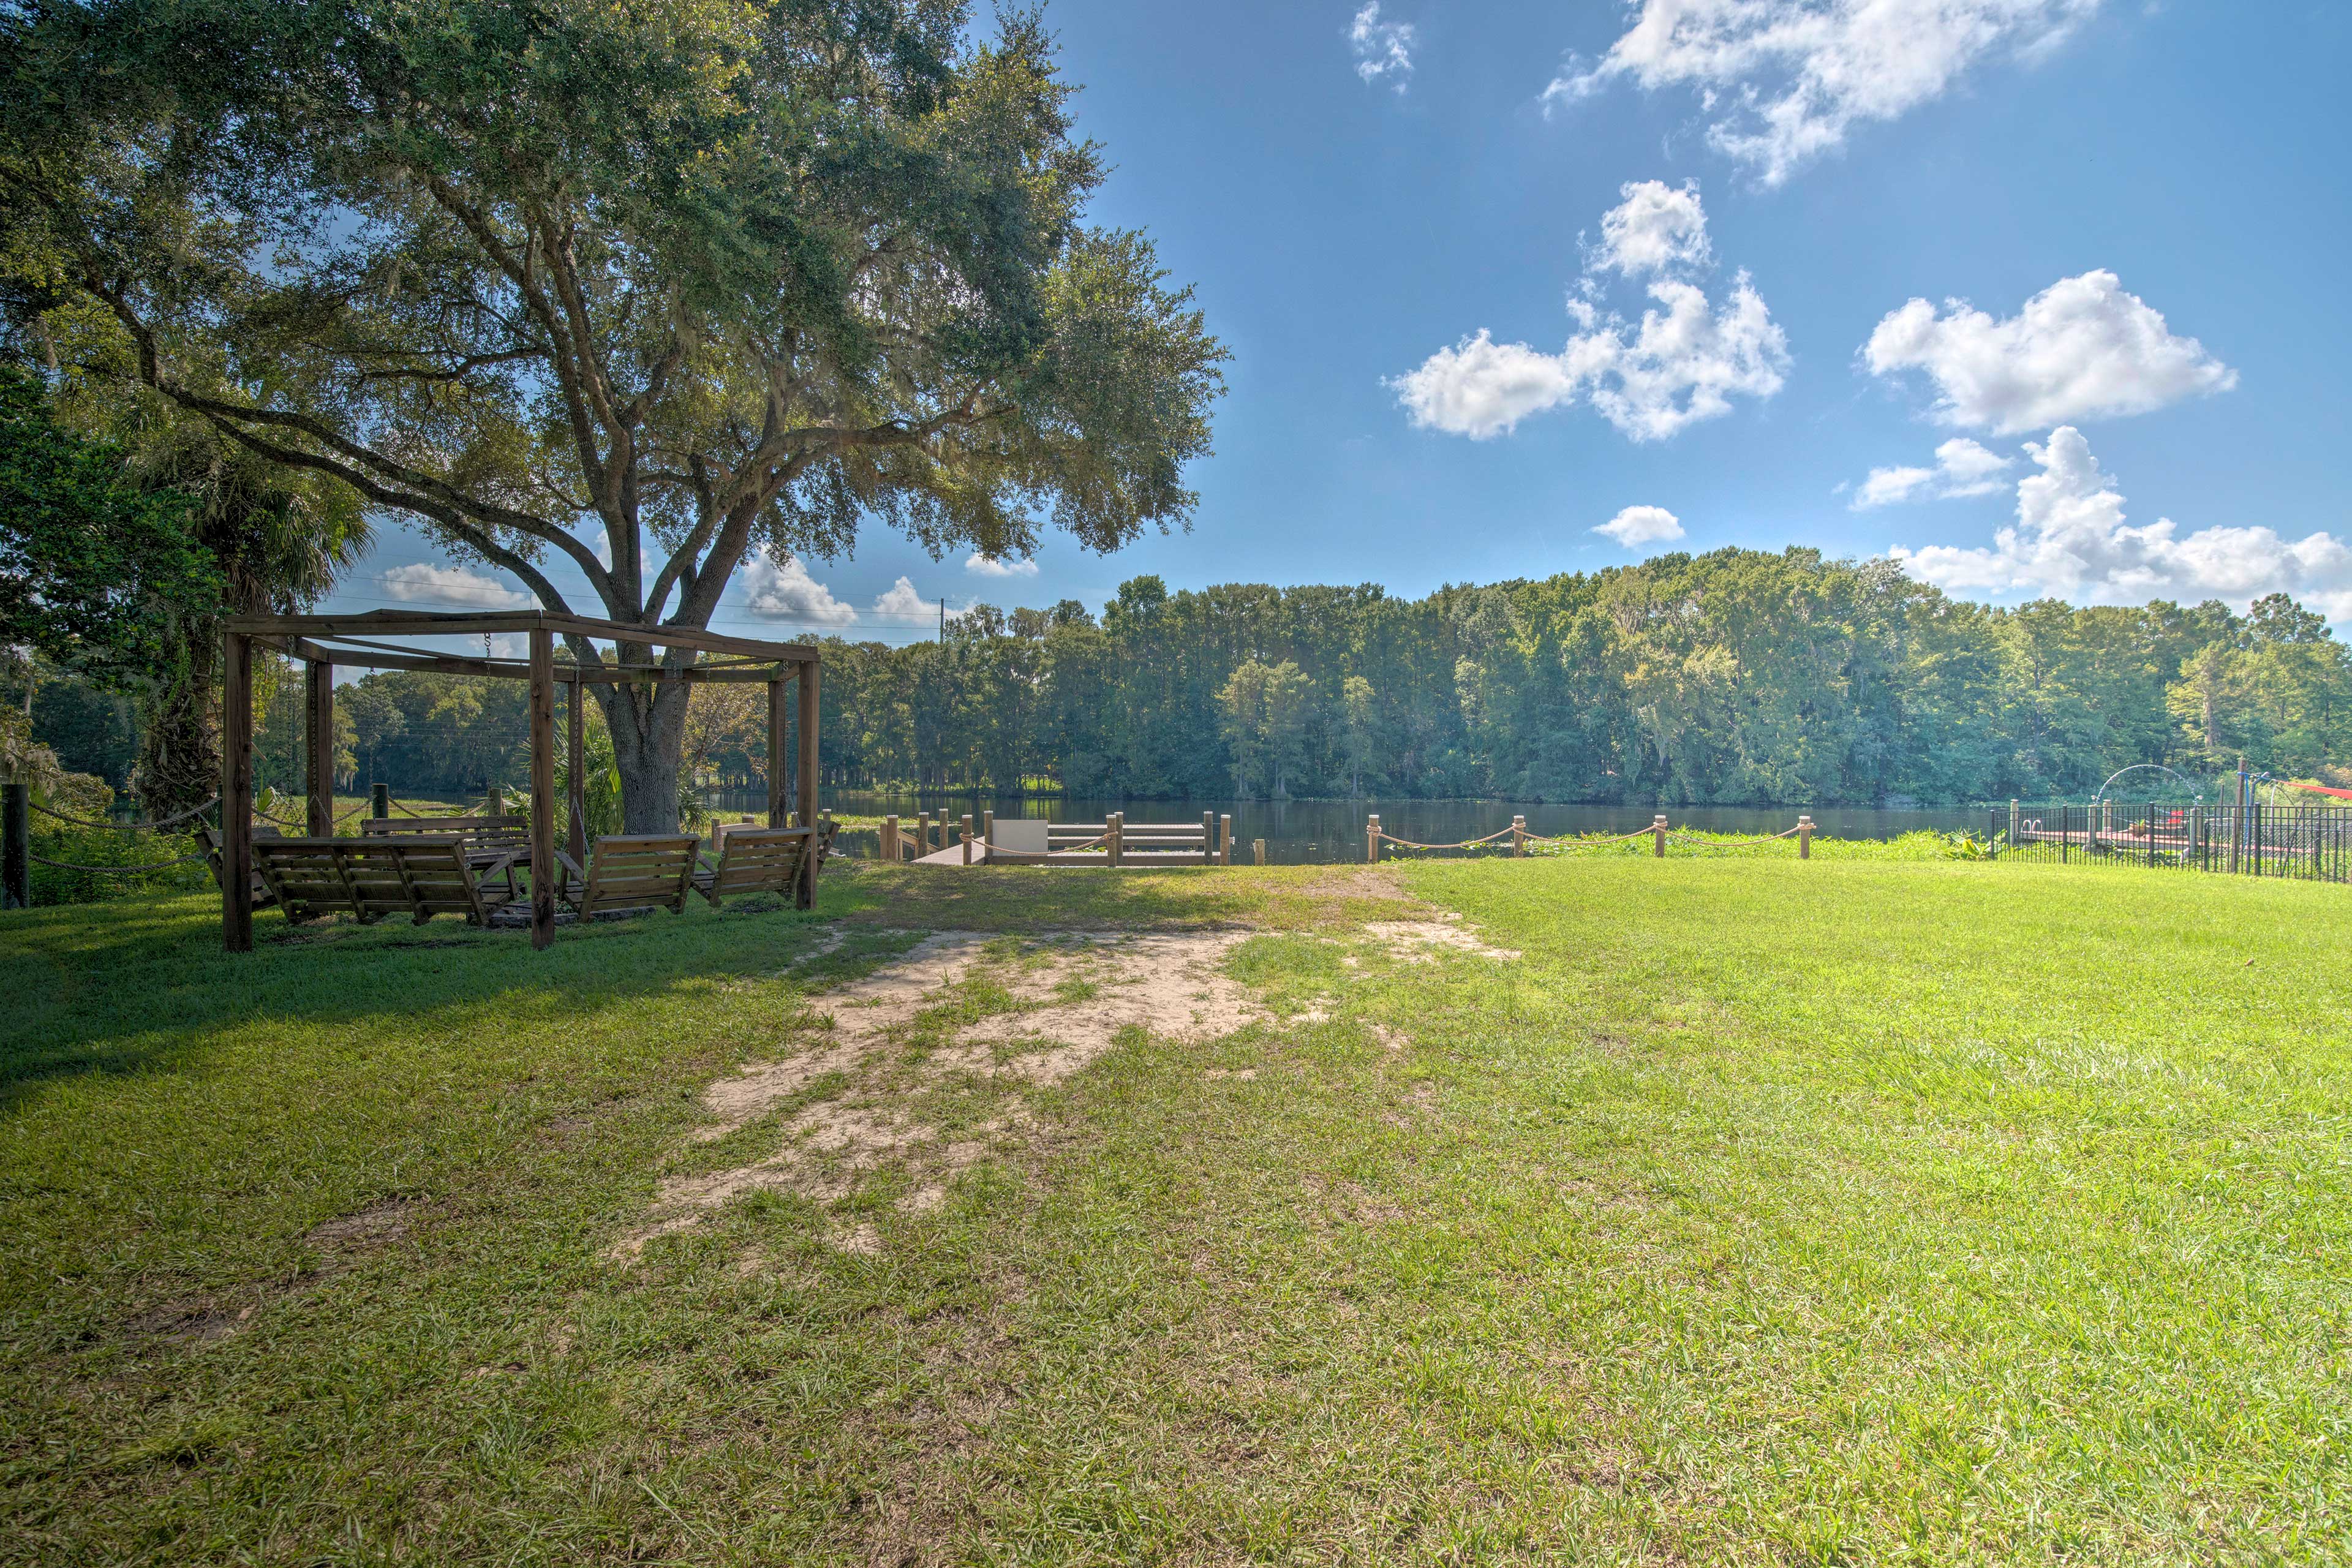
{"points": [[1887, 486], [1383, 49], [1962, 468], [899, 602], [2072, 542], [1640, 525], [779, 588], [1655, 229], [1785, 80], [986, 566], [2081, 349], [1481, 388], [1683, 365], [453, 584]]}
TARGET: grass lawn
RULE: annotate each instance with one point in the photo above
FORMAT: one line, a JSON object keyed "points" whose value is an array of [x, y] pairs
{"points": [[1755, 1212]]}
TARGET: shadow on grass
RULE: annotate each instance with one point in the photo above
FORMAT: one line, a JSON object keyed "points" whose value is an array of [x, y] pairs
{"points": [[125, 988], [131, 987]]}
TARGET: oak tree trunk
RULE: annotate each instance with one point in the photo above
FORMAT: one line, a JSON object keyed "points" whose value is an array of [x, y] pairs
{"points": [[648, 729]]}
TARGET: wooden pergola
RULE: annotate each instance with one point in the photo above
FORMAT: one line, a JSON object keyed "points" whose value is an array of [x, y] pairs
{"points": [[322, 642]]}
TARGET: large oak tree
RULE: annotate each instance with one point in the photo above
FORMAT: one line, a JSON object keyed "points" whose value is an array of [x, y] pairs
{"points": [[643, 286]]}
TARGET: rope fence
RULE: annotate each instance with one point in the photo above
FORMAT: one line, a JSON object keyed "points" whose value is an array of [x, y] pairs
{"points": [[407, 810], [1742, 844], [162, 823], [1522, 841], [157, 826], [114, 870]]}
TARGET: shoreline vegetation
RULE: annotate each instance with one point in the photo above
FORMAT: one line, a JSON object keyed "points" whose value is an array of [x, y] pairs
{"points": [[1724, 679], [1864, 1210]]}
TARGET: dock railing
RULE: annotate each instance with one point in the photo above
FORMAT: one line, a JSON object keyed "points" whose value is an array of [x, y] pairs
{"points": [[1114, 841]]}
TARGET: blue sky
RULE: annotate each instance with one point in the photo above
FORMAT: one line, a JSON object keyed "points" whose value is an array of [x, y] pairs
{"points": [[2143, 208]]}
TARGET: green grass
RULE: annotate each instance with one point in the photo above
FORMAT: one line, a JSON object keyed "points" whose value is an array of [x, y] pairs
{"points": [[1846, 1211]]}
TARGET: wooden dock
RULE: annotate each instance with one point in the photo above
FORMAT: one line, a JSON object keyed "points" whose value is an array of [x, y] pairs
{"points": [[1116, 842]]}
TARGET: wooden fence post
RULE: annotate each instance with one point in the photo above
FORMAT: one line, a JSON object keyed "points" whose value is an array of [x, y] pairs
{"points": [[1258, 844], [1804, 838], [987, 834], [1519, 837], [967, 838], [15, 846], [890, 846], [1208, 838], [1658, 835], [1114, 826], [1371, 839], [1225, 839], [380, 801]]}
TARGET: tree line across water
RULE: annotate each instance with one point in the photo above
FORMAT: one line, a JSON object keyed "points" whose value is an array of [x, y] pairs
{"points": [[1737, 676]]}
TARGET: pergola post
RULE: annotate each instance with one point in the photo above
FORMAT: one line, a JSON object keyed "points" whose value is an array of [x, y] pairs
{"points": [[543, 869], [776, 730], [804, 762], [576, 722], [318, 732], [804, 744], [236, 793]]}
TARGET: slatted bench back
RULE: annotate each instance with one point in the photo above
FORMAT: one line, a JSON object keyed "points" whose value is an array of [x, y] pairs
{"points": [[641, 870], [481, 832], [441, 881], [758, 860], [305, 875], [372, 871]]}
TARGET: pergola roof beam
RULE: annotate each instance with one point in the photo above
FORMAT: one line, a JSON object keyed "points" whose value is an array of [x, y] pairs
{"points": [[426, 623]]}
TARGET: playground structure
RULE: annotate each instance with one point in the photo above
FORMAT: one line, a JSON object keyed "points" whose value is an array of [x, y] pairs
{"points": [[420, 872], [2309, 843]]}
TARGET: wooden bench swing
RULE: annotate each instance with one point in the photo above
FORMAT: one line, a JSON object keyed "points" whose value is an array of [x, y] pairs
{"points": [[478, 866]]}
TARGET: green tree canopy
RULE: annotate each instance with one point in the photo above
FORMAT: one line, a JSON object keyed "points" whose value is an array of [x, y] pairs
{"points": [[703, 278], [95, 572]]}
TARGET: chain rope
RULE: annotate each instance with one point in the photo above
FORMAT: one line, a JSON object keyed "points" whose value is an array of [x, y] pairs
{"points": [[115, 870], [125, 827], [1743, 844], [1570, 841]]}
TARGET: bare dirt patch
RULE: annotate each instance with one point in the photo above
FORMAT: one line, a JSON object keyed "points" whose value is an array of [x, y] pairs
{"points": [[189, 1322], [1418, 941], [1172, 984], [1345, 1201], [375, 1226], [1046, 1008]]}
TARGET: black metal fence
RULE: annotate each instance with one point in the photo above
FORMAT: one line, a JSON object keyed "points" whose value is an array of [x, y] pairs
{"points": [[2313, 844]]}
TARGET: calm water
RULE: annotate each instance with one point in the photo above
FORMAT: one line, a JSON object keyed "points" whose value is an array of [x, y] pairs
{"points": [[1317, 830]]}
